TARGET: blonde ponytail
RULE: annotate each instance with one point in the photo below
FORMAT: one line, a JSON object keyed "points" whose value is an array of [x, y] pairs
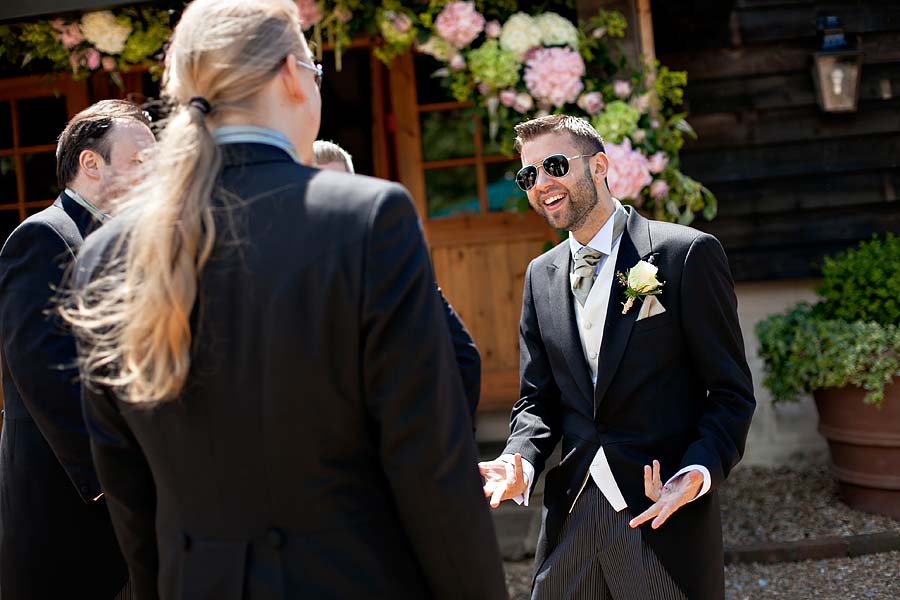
{"points": [[134, 317]]}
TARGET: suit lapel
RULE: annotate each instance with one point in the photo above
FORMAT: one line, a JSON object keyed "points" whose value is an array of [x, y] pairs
{"points": [[564, 319], [634, 246], [80, 215]]}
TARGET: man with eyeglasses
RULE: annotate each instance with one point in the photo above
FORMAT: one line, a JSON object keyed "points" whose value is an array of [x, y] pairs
{"points": [[642, 388]]}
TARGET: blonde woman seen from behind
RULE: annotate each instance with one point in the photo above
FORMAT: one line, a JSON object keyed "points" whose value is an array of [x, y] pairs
{"points": [[270, 386]]}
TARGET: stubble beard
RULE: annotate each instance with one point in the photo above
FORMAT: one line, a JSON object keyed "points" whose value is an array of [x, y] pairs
{"points": [[582, 200]]}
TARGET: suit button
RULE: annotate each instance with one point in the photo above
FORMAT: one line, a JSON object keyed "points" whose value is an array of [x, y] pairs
{"points": [[588, 324], [185, 541], [593, 355], [275, 538]]}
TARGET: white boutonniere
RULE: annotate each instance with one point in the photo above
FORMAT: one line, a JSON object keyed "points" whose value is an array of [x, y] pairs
{"points": [[639, 283]]}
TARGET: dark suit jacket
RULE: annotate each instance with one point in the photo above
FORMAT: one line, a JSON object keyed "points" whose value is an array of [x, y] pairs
{"points": [[674, 387], [322, 447], [467, 358], [55, 541]]}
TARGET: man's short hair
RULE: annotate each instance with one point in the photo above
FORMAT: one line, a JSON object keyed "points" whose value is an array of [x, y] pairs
{"points": [[583, 134], [89, 130], [326, 152]]}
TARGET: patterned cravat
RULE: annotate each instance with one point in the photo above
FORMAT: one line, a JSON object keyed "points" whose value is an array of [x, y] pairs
{"points": [[586, 261]]}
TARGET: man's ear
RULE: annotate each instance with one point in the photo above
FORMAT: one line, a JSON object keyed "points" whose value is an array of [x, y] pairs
{"points": [[599, 167], [90, 163]]}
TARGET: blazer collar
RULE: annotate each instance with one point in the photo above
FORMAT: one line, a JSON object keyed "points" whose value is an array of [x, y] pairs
{"points": [[636, 245], [252, 153], [80, 215]]}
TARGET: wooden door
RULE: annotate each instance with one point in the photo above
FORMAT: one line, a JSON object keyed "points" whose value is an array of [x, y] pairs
{"points": [[480, 243]]}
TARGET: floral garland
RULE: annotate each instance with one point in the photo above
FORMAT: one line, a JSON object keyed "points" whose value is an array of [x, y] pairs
{"points": [[114, 41], [523, 66], [510, 65]]}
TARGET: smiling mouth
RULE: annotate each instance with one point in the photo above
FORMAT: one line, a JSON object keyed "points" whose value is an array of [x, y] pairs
{"points": [[552, 202]]}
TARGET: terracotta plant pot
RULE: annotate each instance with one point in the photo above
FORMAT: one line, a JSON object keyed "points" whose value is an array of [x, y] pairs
{"points": [[865, 446]]}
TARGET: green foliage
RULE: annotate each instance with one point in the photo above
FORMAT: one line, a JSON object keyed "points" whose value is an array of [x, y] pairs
{"points": [[616, 122], [863, 284], [148, 37], [494, 66], [669, 86], [803, 352], [851, 337]]}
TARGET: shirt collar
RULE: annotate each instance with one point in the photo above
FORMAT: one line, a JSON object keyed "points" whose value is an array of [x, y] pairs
{"points": [[603, 240], [87, 205], [250, 134]]}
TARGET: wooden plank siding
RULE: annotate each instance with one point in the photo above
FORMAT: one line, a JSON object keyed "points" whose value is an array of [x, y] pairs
{"points": [[793, 183]]}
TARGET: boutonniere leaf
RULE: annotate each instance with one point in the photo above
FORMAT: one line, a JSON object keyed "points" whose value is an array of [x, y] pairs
{"points": [[639, 282]]}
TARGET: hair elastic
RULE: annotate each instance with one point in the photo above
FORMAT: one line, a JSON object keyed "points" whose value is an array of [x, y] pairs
{"points": [[200, 104]]}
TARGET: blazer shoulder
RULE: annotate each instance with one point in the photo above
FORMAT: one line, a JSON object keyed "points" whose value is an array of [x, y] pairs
{"points": [[51, 226], [554, 255], [678, 239]]}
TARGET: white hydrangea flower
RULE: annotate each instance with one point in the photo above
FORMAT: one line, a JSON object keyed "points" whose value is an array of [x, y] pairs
{"points": [[557, 30], [520, 33], [101, 29]]}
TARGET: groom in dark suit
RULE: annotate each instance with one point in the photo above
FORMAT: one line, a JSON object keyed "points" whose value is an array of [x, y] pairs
{"points": [[56, 539], [632, 356]]}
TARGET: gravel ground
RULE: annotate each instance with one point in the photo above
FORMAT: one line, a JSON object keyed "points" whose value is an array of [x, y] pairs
{"points": [[874, 577], [763, 504], [780, 505]]}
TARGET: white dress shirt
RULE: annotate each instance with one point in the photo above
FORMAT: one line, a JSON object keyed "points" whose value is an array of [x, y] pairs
{"points": [[591, 322]]}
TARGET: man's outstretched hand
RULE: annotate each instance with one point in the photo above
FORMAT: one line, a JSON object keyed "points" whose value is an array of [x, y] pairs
{"points": [[667, 498], [503, 480]]}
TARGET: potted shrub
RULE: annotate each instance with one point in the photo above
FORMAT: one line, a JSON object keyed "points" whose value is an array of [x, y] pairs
{"points": [[845, 349]]}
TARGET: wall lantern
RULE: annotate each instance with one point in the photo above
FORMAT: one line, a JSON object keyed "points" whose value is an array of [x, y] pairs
{"points": [[836, 69]]}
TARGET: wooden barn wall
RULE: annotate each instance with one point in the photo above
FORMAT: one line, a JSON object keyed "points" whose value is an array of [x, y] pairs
{"points": [[793, 183]]}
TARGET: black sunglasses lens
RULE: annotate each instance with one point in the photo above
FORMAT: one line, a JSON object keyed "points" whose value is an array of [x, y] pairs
{"points": [[526, 177], [556, 165]]}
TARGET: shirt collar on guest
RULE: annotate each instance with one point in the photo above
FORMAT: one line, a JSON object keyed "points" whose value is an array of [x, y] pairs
{"points": [[250, 134], [87, 205], [603, 241]]}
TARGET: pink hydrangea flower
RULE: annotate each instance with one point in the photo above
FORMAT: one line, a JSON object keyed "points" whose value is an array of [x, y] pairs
{"points": [[484, 89], [344, 14], [659, 189], [92, 59], [553, 75], [69, 35], [459, 24], [523, 103], [629, 171], [622, 89], [508, 97], [591, 103], [658, 163], [641, 103], [109, 63], [639, 135], [493, 29], [310, 13]]}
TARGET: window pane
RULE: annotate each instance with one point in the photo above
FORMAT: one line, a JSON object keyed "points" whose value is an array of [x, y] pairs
{"points": [[447, 134], [41, 120], [6, 137], [451, 191], [429, 89], [8, 191], [503, 193], [9, 220], [40, 177]]}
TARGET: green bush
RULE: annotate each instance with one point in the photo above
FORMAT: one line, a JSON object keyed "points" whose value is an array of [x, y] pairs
{"points": [[851, 337], [863, 284]]}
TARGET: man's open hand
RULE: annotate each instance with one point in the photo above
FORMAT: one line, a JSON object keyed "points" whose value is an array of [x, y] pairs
{"points": [[667, 498], [503, 480]]}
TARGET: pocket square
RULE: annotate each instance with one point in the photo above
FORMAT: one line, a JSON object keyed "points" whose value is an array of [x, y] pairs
{"points": [[650, 308]]}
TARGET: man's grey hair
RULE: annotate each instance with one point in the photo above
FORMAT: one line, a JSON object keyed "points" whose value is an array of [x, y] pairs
{"points": [[326, 152]]}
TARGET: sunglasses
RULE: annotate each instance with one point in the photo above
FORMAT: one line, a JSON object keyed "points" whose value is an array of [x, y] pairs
{"points": [[555, 165], [317, 69]]}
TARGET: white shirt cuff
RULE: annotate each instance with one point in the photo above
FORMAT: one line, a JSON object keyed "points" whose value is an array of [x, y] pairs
{"points": [[528, 469], [707, 478]]}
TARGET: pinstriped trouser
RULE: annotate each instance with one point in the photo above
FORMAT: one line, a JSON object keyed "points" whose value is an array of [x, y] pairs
{"points": [[599, 557]]}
